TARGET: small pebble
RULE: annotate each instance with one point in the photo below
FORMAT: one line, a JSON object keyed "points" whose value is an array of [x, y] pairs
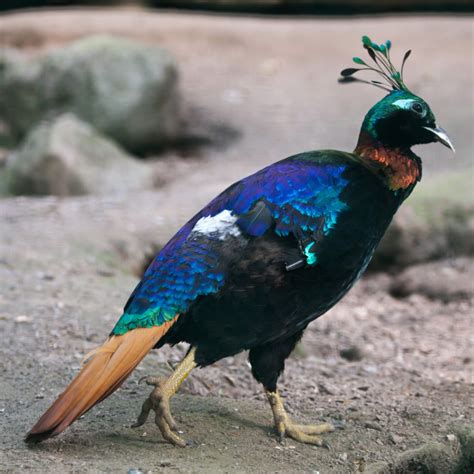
{"points": [[370, 369], [395, 439], [44, 276], [327, 389], [105, 272], [23, 319], [372, 425], [352, 354]]}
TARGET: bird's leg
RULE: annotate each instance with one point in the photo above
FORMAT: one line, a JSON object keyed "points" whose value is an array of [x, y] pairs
{"points": [[159, 399], [285, 427]]}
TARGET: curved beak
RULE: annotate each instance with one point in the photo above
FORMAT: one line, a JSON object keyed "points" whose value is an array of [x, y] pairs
{"points": [[441, 136]]}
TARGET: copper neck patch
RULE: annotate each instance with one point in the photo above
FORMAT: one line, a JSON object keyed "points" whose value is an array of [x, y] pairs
{"points": [[400, 168]]}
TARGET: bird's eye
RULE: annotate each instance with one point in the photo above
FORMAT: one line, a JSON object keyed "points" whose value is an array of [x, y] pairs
{"points": [[418, 108]]}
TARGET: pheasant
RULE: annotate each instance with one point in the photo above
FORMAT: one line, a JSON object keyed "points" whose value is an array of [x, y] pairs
{"points": [[270, 254]]}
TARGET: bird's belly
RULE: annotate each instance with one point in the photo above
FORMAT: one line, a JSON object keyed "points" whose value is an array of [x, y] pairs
{"points": [[262, 301]]}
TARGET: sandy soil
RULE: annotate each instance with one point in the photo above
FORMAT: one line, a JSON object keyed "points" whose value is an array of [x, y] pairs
{"points": [[68, 265]]}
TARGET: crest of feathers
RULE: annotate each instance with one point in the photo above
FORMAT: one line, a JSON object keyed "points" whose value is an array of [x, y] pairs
{"points": [[380, 55]]}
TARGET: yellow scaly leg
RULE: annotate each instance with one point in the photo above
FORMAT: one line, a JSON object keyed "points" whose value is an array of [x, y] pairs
{"points": [[159, 399]]}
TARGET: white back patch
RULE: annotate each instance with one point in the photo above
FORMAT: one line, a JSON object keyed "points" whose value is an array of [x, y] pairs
{"points": [[221, 225]]}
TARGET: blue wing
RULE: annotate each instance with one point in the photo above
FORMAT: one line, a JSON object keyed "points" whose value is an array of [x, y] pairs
{"points": [[295, 196]]}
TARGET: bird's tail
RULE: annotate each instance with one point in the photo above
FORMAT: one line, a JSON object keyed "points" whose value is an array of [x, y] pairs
{"points": [[105, 370]]}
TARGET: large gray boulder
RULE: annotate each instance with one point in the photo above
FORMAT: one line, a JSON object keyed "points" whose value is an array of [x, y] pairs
{"points": [[20, 98], [68, 157], [125, 89], [450, 280]]}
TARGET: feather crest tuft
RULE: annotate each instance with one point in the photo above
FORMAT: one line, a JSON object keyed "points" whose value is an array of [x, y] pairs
{"points": [[380, 55]]}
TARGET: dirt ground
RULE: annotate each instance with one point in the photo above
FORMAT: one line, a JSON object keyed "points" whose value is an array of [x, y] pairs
{"points": [[396, 371]]}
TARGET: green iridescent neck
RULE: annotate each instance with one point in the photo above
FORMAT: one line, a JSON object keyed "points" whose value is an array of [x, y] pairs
{"points": [[380, 110]]}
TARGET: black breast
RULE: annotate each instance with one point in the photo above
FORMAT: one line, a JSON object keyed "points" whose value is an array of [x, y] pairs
{"points": [[261, 301]]}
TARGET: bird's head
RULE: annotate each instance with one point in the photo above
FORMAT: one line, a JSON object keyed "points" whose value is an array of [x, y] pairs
{"points": [[401, 119]]}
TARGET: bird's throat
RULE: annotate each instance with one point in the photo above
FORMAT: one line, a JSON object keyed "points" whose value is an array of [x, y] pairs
{"points": [[399, 168]]}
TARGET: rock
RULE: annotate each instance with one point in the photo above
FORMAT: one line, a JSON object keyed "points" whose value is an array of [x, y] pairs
{"points": [[327, 389], [394, 438], [23, 319], [373, 426], [352, 353], [431, 458], [342, 456], [20, 98], [125, 89], [449, 280], [68, 157]]}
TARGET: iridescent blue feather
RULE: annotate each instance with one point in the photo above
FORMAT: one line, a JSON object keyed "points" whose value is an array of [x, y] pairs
{"points": [[295, 196]]}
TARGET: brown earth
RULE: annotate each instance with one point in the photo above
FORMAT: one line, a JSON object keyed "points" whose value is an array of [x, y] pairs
{"points": [[67, 266]]}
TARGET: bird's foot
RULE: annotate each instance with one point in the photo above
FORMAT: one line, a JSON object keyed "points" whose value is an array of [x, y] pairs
{"points": [[304, 433], [286, 428], [159, 399], [159, 402]]}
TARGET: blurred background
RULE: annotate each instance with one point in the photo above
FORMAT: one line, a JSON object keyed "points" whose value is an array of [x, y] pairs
{"points": [[300, 7], [120, 119]]}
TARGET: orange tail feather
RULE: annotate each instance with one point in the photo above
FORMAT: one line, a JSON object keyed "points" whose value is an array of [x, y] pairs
{"points": [[103, 373]]}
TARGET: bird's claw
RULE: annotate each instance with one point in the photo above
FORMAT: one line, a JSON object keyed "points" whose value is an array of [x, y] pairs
{"points": [[308, 434], [152, 380], [142, 417], [286, 428], [158, 401], [338, 424]]}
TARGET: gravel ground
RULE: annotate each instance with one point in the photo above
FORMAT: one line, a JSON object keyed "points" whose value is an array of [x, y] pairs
{"points": [[396, 370]]}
